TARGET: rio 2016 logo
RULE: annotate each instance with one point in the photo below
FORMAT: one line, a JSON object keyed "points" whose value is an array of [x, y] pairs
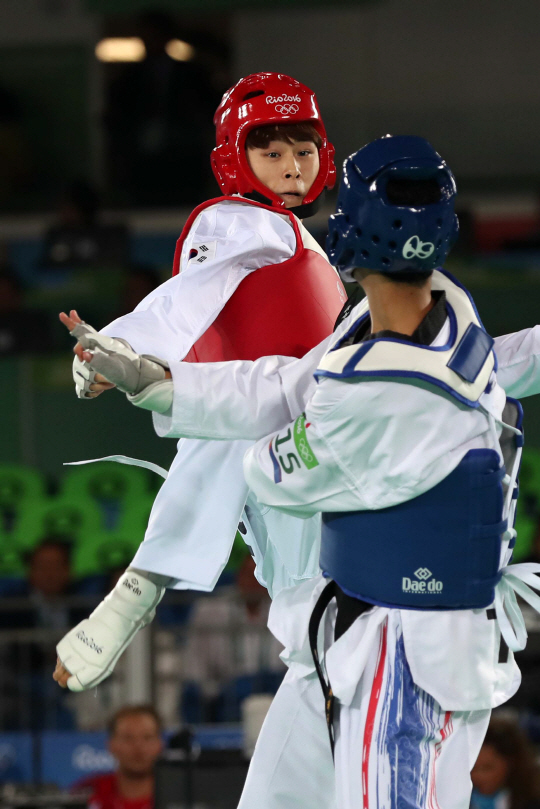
{"points": [[284, 99]]}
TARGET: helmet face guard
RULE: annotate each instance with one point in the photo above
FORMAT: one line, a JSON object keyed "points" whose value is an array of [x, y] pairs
{"points": [[263, 99], [395, 211]]}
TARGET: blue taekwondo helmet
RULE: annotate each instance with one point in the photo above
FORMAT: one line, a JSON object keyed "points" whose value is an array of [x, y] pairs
{"points": [[395, 210]]}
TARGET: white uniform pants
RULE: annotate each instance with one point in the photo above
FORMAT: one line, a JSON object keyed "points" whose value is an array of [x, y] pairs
{"points": [[292, 764], [395, 747]]}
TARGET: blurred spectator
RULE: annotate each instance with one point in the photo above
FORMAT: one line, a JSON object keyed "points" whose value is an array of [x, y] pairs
{"points": [[136, 744], [49, 581], [21, 329], [79, 239], [159, 119], [230, 653], [139, 282], [505, 775], [29, 698]]}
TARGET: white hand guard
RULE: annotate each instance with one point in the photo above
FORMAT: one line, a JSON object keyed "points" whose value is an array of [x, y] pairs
{"points": [[91, 650], [83, 376], [116, 361]]}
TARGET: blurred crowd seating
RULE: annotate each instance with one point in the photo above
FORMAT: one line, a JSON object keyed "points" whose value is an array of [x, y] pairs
{"points": [[81, 260], [63, 545], [100, 510]]}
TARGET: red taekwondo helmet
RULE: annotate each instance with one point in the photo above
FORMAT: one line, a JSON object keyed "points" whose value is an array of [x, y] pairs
{"points": [[260, 100]]}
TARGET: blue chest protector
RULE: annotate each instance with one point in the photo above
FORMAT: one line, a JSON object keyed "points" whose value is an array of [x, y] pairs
{"points": [[439, 550]]}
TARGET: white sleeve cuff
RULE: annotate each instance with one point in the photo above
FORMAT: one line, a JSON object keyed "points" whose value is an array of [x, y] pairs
{"points": [[158, 396]]}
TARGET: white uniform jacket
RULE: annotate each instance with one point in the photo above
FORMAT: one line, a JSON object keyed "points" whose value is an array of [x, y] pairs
{"points": [[197, 511], [374, 444]]}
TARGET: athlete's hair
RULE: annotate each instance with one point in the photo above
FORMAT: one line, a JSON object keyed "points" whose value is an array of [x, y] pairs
{"points": [[261, 136], [506, 737], [413, 278], [133, 710]]}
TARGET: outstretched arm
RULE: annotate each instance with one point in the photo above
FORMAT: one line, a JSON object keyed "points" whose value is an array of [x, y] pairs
{"points": [[518, 356], [236, 400], [250, 399], [246, 400]]}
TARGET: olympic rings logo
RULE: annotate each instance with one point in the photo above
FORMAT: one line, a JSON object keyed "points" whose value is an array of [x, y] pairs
{"points": [[305, 451], [287, 109], [416, 248]]}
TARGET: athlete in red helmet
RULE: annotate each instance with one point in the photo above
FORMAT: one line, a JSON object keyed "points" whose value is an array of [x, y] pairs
{"points": [[248, 281], [261, 100]]}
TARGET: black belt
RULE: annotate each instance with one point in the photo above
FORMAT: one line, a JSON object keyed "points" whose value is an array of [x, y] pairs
{"points": [[323, 601], [349, 609]]}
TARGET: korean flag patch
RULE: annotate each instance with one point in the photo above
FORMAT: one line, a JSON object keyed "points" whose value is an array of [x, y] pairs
{"points": [[200, 253]]}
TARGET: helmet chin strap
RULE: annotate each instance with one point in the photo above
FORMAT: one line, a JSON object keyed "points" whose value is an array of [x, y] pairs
{"points": [[301, 211], [310, 208]]}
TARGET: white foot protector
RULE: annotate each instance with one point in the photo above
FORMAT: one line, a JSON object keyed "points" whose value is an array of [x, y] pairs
{"points": [[90, 650]]}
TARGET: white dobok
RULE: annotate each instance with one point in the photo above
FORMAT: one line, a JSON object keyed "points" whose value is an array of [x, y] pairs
{"points": [[377, 443]]}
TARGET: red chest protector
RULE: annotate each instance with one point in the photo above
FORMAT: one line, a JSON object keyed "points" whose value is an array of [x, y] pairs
{"points": [[285, 308]]}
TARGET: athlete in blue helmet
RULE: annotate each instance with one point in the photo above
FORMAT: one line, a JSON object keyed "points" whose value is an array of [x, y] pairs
{"points": [[408, 447]]}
